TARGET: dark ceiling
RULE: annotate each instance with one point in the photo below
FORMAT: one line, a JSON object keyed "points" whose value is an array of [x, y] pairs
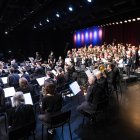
{"points": [[24, 14]]}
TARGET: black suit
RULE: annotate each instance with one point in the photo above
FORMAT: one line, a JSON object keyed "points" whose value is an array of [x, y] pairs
{"points": [[94, 96], [20, 115]]}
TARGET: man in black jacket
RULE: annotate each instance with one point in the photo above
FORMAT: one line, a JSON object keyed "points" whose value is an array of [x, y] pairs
{"points": [[93, 96]]}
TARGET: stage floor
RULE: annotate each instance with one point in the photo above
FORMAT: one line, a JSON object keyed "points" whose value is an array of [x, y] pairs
{"points": [[122, 120]]}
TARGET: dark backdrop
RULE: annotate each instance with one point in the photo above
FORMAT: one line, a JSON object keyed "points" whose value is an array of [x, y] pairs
{"points": [[125, 33], [26, 43]]}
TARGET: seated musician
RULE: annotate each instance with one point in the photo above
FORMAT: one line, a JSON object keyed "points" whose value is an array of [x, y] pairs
{"points": [[21, 113], [93, 97], [25, 87], [38, 57], [2, 71], [51, 102], [101, 80], [13, 79]]}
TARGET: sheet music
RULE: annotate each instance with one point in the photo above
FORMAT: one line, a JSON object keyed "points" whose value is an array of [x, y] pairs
{"points": [[88, 73], [67, 60], [31, 59], [4, 80], [54, 72], [27, 97], [41, 81], [9, 92], [95, 71], [75, 88]]}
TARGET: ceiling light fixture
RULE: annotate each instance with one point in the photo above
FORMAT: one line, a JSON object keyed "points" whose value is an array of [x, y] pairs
{"points": [[70, 8], [57, 15], [6, 32], [34, 27], [134, 19], [89, 1], [47, 20]]}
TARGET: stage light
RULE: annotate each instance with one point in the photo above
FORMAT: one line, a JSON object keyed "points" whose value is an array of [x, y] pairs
{"points": [[100, 33], [86, 35], [95, 34], [40, 24], [57, 15], [90, 35], [113, 23], [129, 20], [125, 21], [78, 36], [34, 27], [70, 8], [110, 24], [134, 19], [75, 38], [121, 22], [82, 37], [6, 32], [89, 1], [117, 23], [138, 18], [47, 20]]}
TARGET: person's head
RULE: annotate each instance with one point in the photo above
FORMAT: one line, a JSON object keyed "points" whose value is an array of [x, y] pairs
{"points": [[91, 80], [11, 70], [51, 52], [98, 74], [49, 88], [23, 82], [110, 67], [37, 53], [1, 65], [18, 99]]}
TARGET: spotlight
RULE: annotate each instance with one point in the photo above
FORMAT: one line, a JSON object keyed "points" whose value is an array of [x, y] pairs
{"points": [[110, 24], [70, 8], [134, 19], [57, 15], [6, 32], [40, 24], [47, 20], [113, 23], [34, 27], [125, 21], [129, 20], [89, 1], [138, 18], [117, 23], [121, 22]]}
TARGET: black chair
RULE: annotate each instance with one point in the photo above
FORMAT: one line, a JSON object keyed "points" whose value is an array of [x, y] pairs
{"points": [[22, 132], [101, 106], [5, 120], [58, 121]]}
